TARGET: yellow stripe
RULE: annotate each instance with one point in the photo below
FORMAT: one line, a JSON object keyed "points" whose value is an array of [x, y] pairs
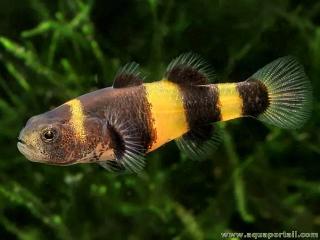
{"points": [[230, 101], [167, 111], [77, 119]]}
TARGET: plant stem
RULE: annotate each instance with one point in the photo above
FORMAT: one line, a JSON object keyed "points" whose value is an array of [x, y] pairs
{"points": [[238, 184]]}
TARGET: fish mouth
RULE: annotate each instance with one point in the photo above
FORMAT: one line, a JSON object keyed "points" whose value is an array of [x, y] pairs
{"points": [[22, 146], [21, 141], [27, 151]]}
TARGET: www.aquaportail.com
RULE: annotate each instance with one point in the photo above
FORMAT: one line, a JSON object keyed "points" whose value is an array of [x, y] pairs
{"points": [[270, 235]]}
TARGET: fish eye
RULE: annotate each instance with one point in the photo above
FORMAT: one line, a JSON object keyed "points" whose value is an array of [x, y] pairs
{"points": [[49, 135]]}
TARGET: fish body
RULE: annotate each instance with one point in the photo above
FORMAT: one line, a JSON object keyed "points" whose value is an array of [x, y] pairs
{"points": [[117, 126]]}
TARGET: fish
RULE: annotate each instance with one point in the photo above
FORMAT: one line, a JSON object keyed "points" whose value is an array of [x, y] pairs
{"points": [[117, 126]]}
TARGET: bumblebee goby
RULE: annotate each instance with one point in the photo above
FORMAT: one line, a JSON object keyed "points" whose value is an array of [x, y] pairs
{"points": [[117, 126]]}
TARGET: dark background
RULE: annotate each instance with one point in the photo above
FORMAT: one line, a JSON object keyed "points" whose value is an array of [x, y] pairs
{"points": [[261, 179]]}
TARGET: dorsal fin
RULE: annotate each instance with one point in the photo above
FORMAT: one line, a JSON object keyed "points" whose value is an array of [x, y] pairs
{"points": [[128, 76], [189, 69]]}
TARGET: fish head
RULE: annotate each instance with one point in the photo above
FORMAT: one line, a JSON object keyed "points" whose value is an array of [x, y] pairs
{"points": [[59, 137]]}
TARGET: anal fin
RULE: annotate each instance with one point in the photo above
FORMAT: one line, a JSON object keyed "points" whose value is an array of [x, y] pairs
{"points": [[200, 142]]}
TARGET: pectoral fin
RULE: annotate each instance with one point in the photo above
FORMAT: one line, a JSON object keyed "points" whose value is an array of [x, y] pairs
{"points": [[129, 154]]}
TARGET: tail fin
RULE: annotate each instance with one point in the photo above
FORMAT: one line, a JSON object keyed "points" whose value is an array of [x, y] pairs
{"points": [[289, 93]]}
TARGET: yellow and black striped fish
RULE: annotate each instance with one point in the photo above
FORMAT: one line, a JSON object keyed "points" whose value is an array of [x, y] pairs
{"points": [[117, 126]]}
